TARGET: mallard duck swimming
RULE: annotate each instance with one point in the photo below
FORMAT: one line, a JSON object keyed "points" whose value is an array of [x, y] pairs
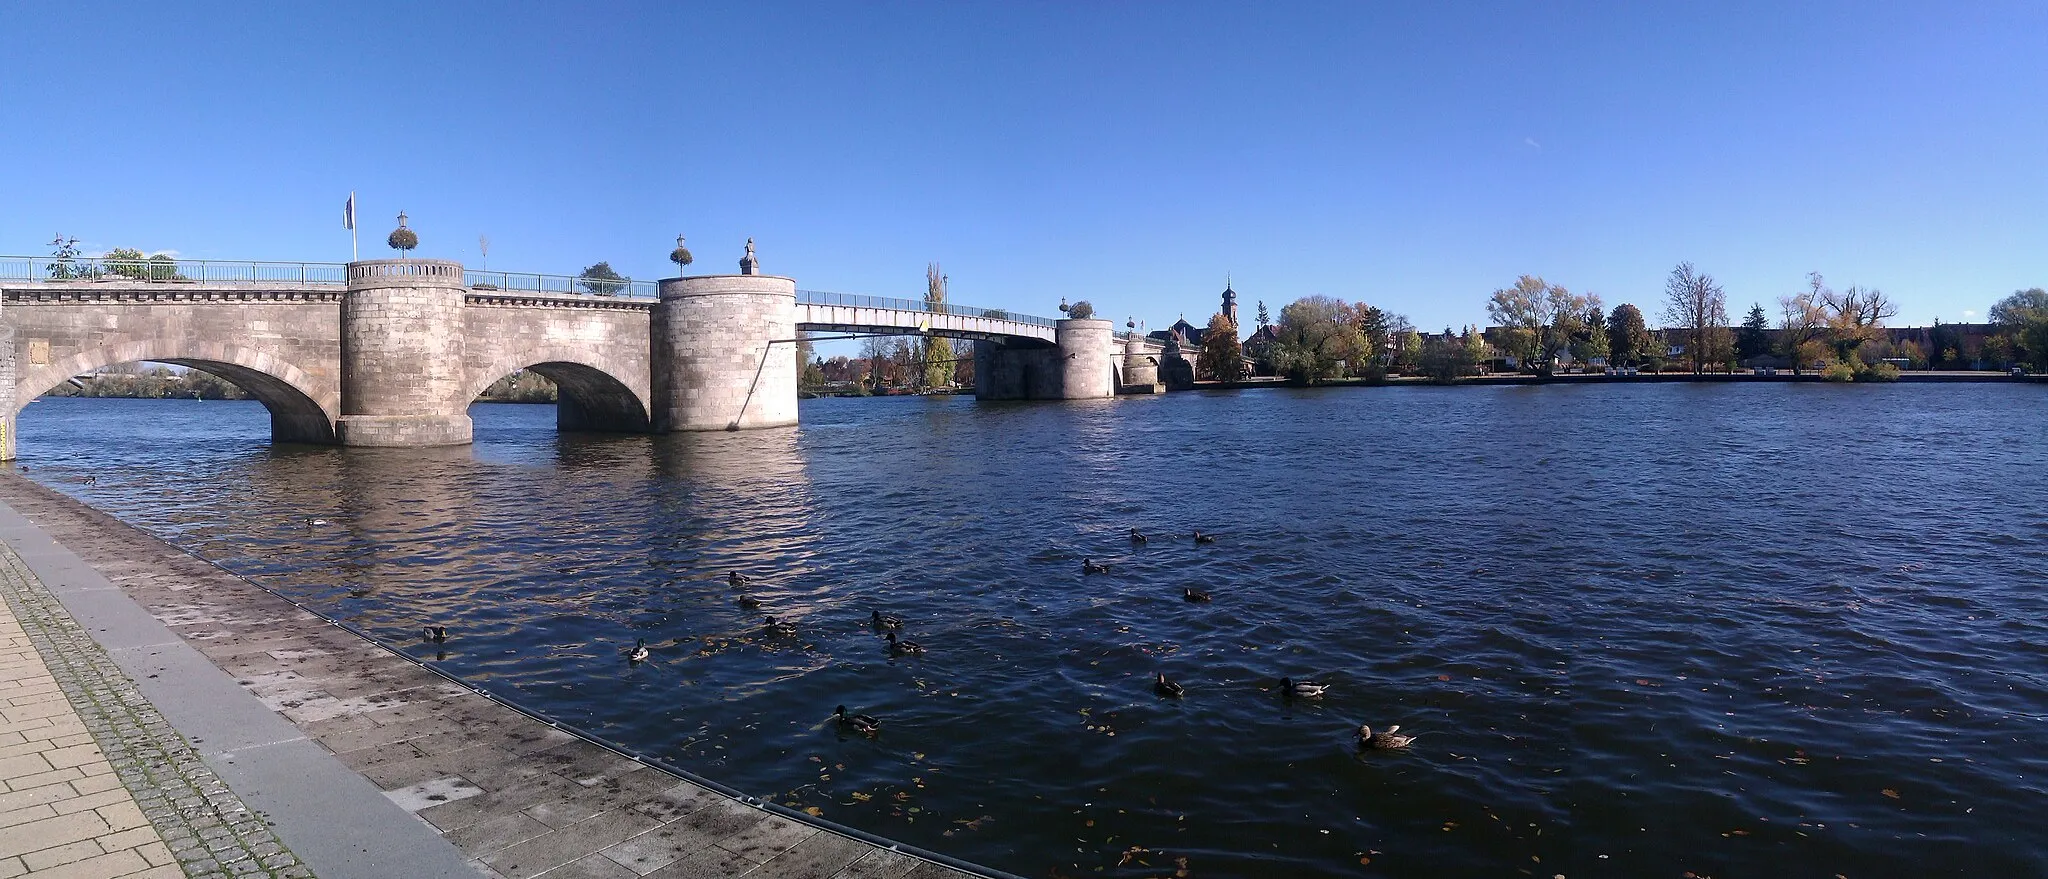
{"points": [[864, 724], [639, 652], [1137, 537], [1167, 688], [1088, 566], [1204, 538], [1194, 595], [437, 634], [747, 601], [92, 480], [778, 627], [1383, 741], [736, 579], [1291, 688], [881, 620], [902, 647]]}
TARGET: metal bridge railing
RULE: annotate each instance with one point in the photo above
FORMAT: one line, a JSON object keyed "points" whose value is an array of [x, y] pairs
{"points": [[854, 300], [558, 285], [169, 270]]}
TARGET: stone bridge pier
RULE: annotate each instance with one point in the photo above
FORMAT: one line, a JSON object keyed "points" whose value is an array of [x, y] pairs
{"points": [[402, 341], [1080, 365], [724, 353]]}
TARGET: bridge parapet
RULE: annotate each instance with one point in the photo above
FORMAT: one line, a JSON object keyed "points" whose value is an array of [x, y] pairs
{"points": [[373, 273]]}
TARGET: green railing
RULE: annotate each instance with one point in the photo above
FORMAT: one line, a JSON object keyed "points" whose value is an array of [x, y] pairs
{"points": [[855, 300], [168, 270]]}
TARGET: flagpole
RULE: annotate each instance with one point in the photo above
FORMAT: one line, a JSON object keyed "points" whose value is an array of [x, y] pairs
{"points": [[353, 255]]}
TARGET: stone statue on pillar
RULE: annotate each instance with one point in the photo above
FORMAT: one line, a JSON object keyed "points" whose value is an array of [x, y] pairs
{"points": [[748, 264]]}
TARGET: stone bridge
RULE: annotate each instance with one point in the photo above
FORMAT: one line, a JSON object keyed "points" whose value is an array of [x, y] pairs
{"points": [[392, 352]]}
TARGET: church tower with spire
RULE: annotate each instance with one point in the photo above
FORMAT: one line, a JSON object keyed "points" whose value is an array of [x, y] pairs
{"points": [[1230, 302]]}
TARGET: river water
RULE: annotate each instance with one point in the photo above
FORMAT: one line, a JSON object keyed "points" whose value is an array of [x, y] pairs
{"points": [[1786, 630]]}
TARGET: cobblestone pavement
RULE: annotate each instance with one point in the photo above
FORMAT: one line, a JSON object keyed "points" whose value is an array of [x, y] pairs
{"points": [[96, 784], [517, 796]]}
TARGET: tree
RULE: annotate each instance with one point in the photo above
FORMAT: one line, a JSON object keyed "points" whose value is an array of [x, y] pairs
{"points": [[1264, 319], [1316, 339], [935, 353], [1080, 310], [1408, 351], [1477, 352], [600, 280], [1755, 338], [1628, 339], [1697, 308], [1589, 334], [681, 256], [2022, 320], [1222, 357], [1802, 324], [1376, 327], [63, 254], [1537, 320], [1856, 317]]}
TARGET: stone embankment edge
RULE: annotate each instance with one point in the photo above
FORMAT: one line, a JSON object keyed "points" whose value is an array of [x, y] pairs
{"points": [[208, 830], [653, 762], [333, 820]]}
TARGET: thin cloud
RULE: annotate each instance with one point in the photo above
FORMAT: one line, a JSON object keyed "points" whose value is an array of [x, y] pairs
{"points": [[1532, 142]]}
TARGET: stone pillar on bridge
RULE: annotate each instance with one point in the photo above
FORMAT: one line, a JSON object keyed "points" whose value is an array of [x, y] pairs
{"points": [[1081, 365], [402, 342], [1088, 358], [724, 353], [1141, 366]]}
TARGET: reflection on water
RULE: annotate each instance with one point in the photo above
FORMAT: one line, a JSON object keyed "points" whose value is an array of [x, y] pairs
{"points": [[1785, 630]]}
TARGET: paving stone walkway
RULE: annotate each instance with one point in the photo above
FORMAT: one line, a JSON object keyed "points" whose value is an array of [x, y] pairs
{"points": [[516, 796], [96, 784]]}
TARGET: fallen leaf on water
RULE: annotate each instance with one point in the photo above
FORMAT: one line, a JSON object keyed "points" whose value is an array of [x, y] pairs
{"points": [[1890, 793], [814, 811], [1443, 677], [862, 797], [1363, 861]]}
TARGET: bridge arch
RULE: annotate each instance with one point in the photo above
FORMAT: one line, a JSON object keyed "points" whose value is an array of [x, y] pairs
{"points": [[302, 406], [590, 395]]}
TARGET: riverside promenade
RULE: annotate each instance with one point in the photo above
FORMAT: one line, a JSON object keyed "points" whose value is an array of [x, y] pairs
{"points": [[160, 717]]}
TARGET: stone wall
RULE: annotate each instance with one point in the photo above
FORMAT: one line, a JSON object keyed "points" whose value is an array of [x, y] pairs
{"points": [[596, 351], [282, 346]]}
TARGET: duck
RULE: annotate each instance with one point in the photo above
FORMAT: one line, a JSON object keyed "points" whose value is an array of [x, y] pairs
{"points": [[881, 620], [1194, 595], [316, 523], [437, 634], [1291, 688], [639, 653], [747, 601], [904, 647], [736, 579], [92, 480], [1137, 537], [1204, 538], [1088, 566], [779, 627], [1167, 688], [1383, 741], [865, 724]]}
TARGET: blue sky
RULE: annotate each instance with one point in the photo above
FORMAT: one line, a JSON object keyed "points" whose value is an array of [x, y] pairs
{"points": [[1415, 156]]}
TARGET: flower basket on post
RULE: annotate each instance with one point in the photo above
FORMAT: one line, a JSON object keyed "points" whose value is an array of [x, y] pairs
{"points": [[402, 239]]}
